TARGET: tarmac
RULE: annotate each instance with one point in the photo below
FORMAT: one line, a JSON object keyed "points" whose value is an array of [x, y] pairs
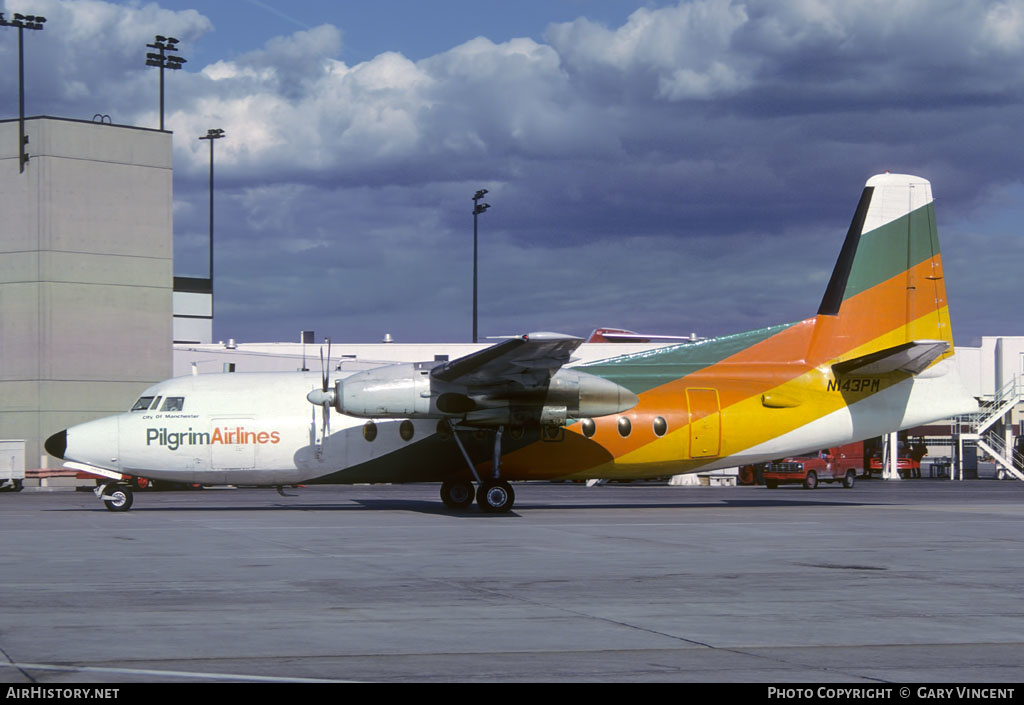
{"points": [[889, 582]]}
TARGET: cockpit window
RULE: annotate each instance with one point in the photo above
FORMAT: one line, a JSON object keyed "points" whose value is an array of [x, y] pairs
{"points": [[142, 404], [155, 405], [173, 404]]}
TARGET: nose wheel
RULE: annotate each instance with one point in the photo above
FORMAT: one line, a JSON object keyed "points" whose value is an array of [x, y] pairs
{"points": [[117, 498]]}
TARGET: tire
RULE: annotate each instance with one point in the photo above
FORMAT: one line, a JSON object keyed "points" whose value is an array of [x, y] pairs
{"points": [[771, 484], [121, 498], [495, 497], [850, 479], [811, 481], [457, 494]]}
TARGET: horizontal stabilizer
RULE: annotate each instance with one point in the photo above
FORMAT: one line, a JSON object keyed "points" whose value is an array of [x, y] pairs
{"points": [[913, 357]]}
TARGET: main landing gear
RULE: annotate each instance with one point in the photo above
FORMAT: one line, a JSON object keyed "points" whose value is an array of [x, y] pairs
{"points": [[493, 495], [457, 494]]}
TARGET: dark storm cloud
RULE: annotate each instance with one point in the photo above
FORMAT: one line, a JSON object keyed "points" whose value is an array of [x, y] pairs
{"points": [[692, 169]]}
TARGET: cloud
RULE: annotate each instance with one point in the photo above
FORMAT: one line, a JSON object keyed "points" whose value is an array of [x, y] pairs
{"points": [[90, 57], [674, 168], [683, 51]]}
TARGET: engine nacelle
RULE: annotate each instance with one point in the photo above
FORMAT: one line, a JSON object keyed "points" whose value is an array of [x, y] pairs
{"points": [[407, 390], [587, 396], [393, 391]]}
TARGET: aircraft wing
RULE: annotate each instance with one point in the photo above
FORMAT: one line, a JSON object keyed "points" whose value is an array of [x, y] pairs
{"points": [[528, 360], [912, 357]]}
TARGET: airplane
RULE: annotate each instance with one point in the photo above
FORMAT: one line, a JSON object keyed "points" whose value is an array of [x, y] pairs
{"points": [[876, 357]]}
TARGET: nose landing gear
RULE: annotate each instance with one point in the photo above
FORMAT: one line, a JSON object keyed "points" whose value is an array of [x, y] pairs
{"points": [[116, 497]]}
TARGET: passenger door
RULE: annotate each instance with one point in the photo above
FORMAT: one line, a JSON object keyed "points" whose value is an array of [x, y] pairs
{"points": [[705, 423]]}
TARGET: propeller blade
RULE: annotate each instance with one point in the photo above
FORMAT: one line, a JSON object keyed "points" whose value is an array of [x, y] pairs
{"points": [[323, 371], [327, 399]]}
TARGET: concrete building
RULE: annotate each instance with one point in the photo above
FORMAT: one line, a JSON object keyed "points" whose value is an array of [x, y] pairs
{"points": [[991, 366], [193, 310], [86, 273]]}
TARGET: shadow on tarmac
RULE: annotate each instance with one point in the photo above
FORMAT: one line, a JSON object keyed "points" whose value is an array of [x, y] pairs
{"points": [[437, 508]]}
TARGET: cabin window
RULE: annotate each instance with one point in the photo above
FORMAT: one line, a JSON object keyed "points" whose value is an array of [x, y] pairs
{"points": [[369, 431], [142, 404], [173, 404], [588, 427], [660, 426], [625, 427], [405, 430]]}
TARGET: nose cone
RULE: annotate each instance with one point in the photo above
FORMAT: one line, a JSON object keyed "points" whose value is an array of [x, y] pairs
{"points": [[57, 443], [92, 442]]}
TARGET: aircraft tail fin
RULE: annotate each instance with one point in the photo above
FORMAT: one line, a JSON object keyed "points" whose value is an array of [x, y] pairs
{"points": [[886, 299]]}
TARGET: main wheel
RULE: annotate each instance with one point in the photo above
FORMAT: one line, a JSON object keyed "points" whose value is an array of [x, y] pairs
{"points": [[457, 494], [495, 496], [849, 479], [118, 498], [811, 481]]}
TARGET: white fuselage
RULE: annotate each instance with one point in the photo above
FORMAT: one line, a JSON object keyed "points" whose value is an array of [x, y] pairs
{"points": [[242, 428]]}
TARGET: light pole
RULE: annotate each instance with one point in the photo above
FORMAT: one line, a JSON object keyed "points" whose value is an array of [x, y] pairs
{"points": [[212, 135], [22, 22], [478, 208], [161, 60]]}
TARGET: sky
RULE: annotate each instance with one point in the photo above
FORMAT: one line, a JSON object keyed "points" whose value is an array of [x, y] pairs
{"points": [[668, 167]]}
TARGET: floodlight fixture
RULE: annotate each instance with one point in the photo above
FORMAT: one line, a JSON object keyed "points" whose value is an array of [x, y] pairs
{"points": [[22, 22], [478, 208], [212, 135], [163, 61]]}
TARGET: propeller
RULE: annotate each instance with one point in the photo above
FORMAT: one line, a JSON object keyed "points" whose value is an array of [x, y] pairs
{"points": [[323, 397]]}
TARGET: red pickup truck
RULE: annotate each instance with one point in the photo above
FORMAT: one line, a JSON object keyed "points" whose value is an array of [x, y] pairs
{"points": [[908, 460], [839, 464]]}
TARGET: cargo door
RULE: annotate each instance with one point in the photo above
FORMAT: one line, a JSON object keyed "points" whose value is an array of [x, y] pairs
{"points": [[705, 423]]}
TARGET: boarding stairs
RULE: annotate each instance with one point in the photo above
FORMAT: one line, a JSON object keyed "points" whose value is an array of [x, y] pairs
{"points": [[980, 427]]}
